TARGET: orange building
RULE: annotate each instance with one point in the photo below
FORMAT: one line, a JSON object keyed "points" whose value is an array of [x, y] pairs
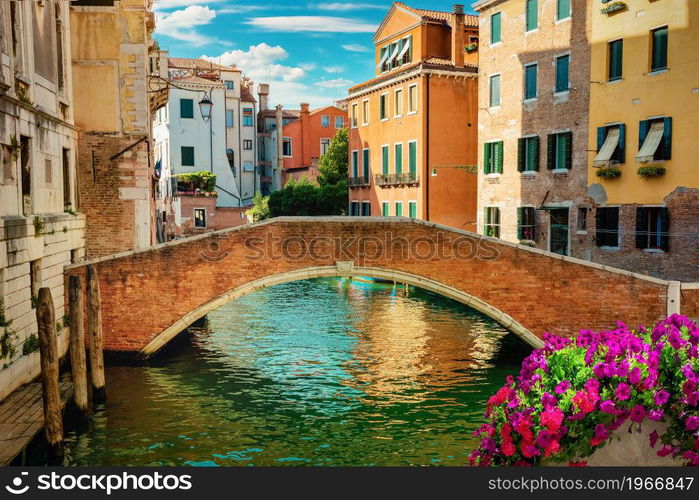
{"points": [[307, 138], [413, 128]]}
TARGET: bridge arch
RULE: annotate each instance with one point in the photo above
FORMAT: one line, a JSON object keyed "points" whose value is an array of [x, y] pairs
{"points": [[336, 271]]}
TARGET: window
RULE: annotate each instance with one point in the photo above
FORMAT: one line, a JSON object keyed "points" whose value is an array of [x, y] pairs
{"points": [[532, 16], [247, 144], [365, 112], [528, 154], [652, 228], [325, 121], [412, 158], [60, 72], [562, 9], [365, 163], [607, 227], [658, 49], [491, 222], [398, 102], [385, 207], [354, 208], [560, 151], [582, 218], [384, 54], [354, 114], [186, 108], [492, 155], [324, 145], [286, 146], [199, 217], [495, 90], [526, 223], [65, 167], [530, 73], [228, 84], [399, 209], [230, 118], [412, 99], [495, 28], [366, 208], [654, 140], [616, 50], [355, 163], [611, 145], [187, 156], [562, 82], [398, 158], [384, 160], [339, 122], [247, 117], [383, 107], [412, 209], [406, 53]]}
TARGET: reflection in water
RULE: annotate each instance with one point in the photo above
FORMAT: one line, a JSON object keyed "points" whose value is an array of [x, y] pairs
{"points": [[324, 372]]}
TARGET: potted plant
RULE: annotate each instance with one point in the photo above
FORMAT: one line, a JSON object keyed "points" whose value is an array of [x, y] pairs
{"points": [[609, 172], [612, 7], [471, 47], [651, 171]]}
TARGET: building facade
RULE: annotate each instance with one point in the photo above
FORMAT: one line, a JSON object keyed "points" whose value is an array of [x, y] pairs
{"points": [[271, 155], [534, 74], [113, 58], [306, 139], [413, 128], [40, 231], [644, 114]]}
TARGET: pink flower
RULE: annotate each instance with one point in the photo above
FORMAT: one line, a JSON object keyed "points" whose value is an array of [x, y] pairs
{"points": [[692, 423], [601, 434], [623, 392], [608, 407], [653, 438], [552, 419], [635, 375], [562, 387], [638, 413], [661, 397]]}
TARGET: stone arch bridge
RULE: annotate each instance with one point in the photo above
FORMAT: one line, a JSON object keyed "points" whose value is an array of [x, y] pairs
{"points": [[149, 296]]}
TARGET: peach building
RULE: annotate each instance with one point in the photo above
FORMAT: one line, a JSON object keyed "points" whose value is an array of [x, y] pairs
{"points": [[413, 128], [307, 138]]}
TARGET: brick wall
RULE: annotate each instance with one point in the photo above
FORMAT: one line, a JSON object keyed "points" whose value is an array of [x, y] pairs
{"points": [[541, 291], [689, 300]]}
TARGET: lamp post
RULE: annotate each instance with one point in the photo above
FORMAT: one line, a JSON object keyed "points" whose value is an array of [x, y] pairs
{"points": [[205, 106]]}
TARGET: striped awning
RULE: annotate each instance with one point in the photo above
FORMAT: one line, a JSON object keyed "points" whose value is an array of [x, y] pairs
{"points": [[607, 150], [650, 145]]}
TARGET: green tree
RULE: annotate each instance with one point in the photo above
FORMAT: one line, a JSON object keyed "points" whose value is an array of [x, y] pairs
{"points": [[260, 208], [333, 164]]}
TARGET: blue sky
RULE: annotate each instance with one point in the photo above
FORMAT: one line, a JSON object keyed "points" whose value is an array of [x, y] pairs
{"points": [[309, 51]]}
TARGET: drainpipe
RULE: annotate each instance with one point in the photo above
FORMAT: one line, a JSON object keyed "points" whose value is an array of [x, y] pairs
{"points": [[427, 147], [280, 143]]}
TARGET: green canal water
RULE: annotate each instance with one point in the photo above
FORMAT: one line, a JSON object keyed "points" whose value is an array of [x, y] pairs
{"points": [[320, 372]]}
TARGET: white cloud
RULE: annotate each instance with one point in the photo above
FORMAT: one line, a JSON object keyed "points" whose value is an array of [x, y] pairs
{"points": [[334, 69], [170, 4], [308, 66], [260, 62], [355, 47], [181, 24], [241, 9], [340, 6], [335, 83], [312, 23], [291, 94]]}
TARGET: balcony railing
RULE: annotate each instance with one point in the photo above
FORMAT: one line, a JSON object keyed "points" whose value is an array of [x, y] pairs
{"points": [[402, 179], [362, 181]]}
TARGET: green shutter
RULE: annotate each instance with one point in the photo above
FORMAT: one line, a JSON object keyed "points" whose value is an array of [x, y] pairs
{"points": [[621, 148], [616, 50], [664, 214], [659, 60], [643, 127], [187, 156], [399, 158], [385, 209], [562, 64], [521, 154], [530, 73], [601, 136], [355, 163], [412, 158], [551, 152], [384, 160], [520, 221], [186, 108], [641, 227], [497, 159], [399, 209], [365, 164], [495, 28], [667, 138], [532, 14], [562, 9], [495, 90], [531, 159], [412, 208], [487, 157], [568, 150]]}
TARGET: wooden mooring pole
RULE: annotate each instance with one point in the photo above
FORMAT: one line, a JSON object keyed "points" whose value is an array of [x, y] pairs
{"points": [[78, 362], [48, 348], [94, 331]]}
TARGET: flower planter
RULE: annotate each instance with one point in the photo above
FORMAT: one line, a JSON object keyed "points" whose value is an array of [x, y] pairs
{"points": [[651, 171], [613, 7], [609, 172]]}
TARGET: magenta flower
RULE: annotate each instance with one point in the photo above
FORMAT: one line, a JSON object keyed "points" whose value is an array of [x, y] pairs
{"points": [[548, 401], [638, 413], [608, 406], [661, 397], [653, 438], [623, 392], [656, 415], [692, 423], [562, 387]]}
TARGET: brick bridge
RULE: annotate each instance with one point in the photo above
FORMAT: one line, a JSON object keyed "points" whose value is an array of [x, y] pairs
{"points": [[151, 295]]}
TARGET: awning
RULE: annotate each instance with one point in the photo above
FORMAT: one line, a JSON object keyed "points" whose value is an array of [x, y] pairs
{"points": [[406, 46], [650, 145], [383, 58], [607, 150], [395, 53]]}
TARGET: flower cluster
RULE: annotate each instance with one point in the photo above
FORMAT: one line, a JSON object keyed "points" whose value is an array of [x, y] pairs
{"points": [[572, 394]]}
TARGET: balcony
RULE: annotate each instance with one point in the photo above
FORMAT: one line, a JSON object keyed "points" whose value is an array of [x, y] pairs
{"points": [[402, 179], [359, 182]]}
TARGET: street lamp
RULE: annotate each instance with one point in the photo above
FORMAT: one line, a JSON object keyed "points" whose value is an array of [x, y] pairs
{"points": [[205, 106]]}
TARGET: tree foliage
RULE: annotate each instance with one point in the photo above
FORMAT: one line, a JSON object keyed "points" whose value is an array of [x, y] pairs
{"points": [[334, 163], [260, 208]]}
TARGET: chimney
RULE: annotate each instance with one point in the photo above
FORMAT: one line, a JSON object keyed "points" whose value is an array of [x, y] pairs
{"points": [[280, 139], [305, 135], [263, 93], [457, 35]]}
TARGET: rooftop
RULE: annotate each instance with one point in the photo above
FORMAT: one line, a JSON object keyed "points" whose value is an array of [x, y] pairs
{"points": [[439, 15], [198, 64]]}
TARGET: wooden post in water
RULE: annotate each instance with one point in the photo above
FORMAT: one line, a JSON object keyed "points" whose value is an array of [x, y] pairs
{"points": [[78, 362], [53, 420], [94, 331]]}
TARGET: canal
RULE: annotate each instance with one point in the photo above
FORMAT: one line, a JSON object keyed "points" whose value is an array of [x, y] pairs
{"points": [[322, 372]]}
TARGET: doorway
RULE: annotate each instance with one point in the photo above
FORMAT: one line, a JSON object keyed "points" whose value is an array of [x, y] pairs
{"points": [[558, 233]]}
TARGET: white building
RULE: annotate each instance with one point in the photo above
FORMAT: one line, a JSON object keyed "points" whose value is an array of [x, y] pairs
{"points": [[39, 230], [225, 144]]}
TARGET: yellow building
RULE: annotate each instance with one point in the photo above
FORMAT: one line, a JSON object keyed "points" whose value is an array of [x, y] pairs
{"points": [[644, 117]]}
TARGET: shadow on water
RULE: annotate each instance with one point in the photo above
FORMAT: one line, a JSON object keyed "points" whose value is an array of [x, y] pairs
{"points": [[318, 372]]}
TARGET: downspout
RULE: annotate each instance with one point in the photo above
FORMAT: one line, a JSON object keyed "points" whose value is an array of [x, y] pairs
{"points": [[427, 147], [240, 148]]}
